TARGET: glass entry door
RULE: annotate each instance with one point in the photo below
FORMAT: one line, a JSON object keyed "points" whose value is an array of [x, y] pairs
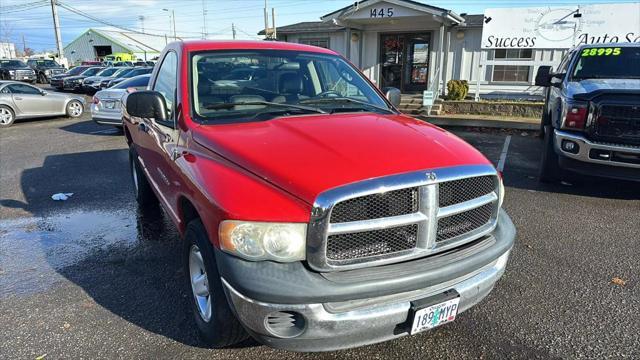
{"points": [[404, 61]]}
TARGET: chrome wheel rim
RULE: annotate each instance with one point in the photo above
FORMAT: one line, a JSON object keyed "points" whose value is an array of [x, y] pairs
{"points": [[199, 283], [134, 175], [75, 109], [5, 116]]}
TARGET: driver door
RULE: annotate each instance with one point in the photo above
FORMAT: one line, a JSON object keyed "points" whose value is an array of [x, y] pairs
{"points": [[157, 139], [29, 100]]}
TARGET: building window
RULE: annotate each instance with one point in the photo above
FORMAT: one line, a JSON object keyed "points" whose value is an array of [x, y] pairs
{"points": [[512, 73], [319, 42], [514, 54]]}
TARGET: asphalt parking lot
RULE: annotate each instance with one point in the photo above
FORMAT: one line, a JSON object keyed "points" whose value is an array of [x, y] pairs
{"points": [[94, 277]]}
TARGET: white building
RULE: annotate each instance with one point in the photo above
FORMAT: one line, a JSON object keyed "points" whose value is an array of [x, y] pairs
{"points": [[7, 50], [415, 47], [95, 44]]}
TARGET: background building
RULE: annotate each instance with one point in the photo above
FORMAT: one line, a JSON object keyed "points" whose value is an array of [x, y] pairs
{"points": [[7, 50], [95, 44], [415, 47]]}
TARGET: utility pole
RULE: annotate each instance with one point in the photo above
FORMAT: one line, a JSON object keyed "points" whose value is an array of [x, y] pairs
{"points": [[204, 20], [266, 20], [24, 46], [56, 26], [233, 30], [173, 15], [273, 21], [141, 18]]}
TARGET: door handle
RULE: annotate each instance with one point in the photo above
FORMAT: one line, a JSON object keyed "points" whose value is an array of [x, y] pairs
{"points": [[143, 127], [18, 98]]}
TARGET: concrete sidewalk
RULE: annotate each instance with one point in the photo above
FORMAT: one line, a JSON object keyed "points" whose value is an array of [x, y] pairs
{"points": [[501, 122]]}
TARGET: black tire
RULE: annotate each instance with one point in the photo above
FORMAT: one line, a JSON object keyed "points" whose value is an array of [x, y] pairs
{"points": [[550, 170], [222, 329], [4, 111], [42, 79], [141, 187], [544, 121]]}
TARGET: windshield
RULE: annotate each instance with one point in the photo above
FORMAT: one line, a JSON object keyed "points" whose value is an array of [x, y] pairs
{"points": [[121, 72], [91, 71], [12, 63], [253, 79], [47, 63], [138, 82], [608, 63], [136, 72], [107, 72], [77, 70]]}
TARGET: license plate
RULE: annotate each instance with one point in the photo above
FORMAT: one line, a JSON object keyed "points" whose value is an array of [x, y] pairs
{"points": [[25, 78], [434, 315], [109, 104]]}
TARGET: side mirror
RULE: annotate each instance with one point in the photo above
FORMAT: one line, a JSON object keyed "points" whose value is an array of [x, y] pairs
{"points": [[393, 95], [43, 92], [556, 79], [543, 76], [147, 104]]}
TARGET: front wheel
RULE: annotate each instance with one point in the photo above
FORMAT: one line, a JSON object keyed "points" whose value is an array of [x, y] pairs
{"points": [[7, 117], [42, 79], [141, 187], [216, 323], [550, 170], [75, 109]]}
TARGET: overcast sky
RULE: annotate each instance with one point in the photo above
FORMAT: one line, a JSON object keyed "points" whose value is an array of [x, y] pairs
{"points": [[32, 18]]}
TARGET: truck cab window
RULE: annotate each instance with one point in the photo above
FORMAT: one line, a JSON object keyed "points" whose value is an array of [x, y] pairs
{"points": [[166, 80]]}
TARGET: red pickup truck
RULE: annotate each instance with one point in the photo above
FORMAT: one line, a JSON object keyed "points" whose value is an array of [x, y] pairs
{"points": [[314, 215]]}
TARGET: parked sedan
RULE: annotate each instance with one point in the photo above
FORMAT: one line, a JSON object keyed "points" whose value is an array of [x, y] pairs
{"points": [[105, 81], [20, 101], [74, 83], [57, 80], [135, 72], [106, 106], [91, 84]]}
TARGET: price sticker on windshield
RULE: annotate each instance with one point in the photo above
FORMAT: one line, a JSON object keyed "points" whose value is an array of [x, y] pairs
{"points": [[601, 52]]}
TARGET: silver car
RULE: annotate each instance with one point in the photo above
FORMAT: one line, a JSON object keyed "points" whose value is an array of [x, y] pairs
{"points": [[106, 107], [21, 101]]}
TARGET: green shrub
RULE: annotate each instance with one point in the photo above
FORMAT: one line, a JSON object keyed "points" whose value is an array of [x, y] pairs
{"points": [[457, 89]]}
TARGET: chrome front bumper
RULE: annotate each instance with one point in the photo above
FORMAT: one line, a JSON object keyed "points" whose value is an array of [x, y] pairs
{"points": [[585, 147], [332, 326]]}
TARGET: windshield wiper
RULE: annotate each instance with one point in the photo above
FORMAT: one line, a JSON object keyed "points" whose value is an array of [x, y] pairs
{"points": [[267, 103], [344, 99]]}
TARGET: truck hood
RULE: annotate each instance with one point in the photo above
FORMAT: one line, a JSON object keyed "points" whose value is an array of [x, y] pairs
{"points": [[17, 68], [306, 155], [593, 85]]}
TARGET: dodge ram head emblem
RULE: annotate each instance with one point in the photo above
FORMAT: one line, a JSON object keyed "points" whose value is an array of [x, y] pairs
{"points": [[431, 176]]}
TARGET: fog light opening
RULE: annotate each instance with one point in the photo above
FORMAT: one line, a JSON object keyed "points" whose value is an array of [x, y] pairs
{"points": [[570, 146], [285, 324]]}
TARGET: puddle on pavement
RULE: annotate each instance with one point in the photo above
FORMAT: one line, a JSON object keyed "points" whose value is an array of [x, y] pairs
{"points": [[34, 251]]}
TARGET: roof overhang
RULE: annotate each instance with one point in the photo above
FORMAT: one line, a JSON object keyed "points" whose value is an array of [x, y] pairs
{"points": [[355, 11]]}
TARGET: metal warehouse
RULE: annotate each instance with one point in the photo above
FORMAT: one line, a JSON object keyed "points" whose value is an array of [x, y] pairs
{"points": [[96, 44], [416, 47]]}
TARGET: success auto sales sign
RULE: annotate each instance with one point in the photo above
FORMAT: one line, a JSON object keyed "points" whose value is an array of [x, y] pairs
{"points": [[560, 27]]}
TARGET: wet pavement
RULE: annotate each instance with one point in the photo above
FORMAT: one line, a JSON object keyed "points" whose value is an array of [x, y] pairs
{"points": [[95, 277]]}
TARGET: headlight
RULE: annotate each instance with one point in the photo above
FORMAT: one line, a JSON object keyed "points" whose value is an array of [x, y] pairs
{"points": [[48, 71], [12, 72], [284, 242]]}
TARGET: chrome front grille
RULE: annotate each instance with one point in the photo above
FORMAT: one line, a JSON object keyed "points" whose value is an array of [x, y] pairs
{"points": [[372, 243], [459, 224], [396, 218], [392, 203]]}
